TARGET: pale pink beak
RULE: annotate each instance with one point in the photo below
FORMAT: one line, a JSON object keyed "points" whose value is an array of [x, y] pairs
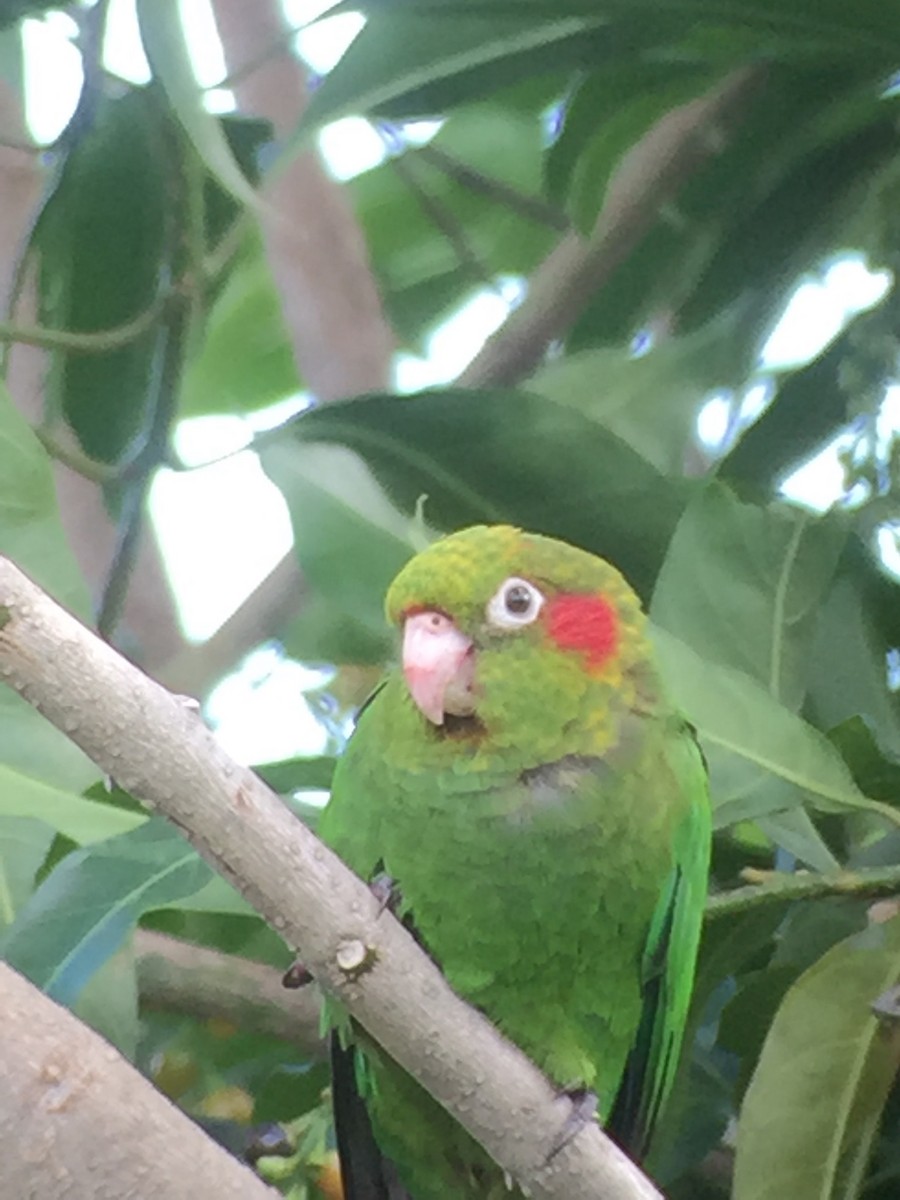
{"points": [[439, 666]]}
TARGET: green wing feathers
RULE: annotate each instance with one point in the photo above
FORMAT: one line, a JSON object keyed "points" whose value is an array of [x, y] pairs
{"points": [[668, 966]]}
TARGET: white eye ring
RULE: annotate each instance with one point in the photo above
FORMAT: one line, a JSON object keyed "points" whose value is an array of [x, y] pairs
{"points": [[515, 603]]}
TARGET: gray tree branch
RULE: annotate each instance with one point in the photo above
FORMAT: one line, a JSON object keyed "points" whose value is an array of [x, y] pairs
{"points": [[160, 750], [649, 177], [177, 976], [342, 340], [77, 1120]]}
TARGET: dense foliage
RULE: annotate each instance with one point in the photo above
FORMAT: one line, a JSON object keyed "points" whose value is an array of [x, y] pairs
{"points": [[778, 627]]}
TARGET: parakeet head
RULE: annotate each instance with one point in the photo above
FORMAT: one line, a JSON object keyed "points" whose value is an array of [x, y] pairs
{"points": [[506, 631]]}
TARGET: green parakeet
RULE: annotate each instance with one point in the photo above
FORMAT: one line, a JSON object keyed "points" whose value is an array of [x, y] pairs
{"points": [[542, 814]]}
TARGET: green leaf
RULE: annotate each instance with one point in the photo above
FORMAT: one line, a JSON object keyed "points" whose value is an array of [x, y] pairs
{"points": [[411, 64], [442, 220], [773, 203], [322, 633], [38, 762], [847, 664], [24, 844], [875, 769], [294, 774], [763, 758], [24, 795], [31, 533], [109, 1002], [88, 904], [809, 407], [651, 402], [289, 1091], [164, 42], [743, 585], [215, 896], [815, 1100], [794, 831], [104, 252], [507, 456], [245, 361], [349, 538]]}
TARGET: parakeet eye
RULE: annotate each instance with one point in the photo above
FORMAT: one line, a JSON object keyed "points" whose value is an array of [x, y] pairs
{"points": [[516, 602]]}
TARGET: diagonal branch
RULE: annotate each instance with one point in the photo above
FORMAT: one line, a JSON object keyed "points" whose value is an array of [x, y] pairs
{"points": [[160, 750], [650, 176]]}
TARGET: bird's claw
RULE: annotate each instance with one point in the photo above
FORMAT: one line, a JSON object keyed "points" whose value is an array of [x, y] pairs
{"points": [[583, 1110], [385, 891]]}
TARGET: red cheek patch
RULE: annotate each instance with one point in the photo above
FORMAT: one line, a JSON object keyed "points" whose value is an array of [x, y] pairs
{"points": [[585, 623]]}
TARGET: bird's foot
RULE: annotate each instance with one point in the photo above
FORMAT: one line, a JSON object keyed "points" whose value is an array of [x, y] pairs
{"points": [[583, 1110], [297, 975], [386, 892]]}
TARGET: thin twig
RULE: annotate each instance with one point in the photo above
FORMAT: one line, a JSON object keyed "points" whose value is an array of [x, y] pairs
{"points": [[76, 460], [775, 887], [532, 208], [94, 342], [448, 224]]}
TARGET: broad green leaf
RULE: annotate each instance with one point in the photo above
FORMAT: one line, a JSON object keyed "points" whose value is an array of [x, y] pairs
{"points": [[164, 42], [809, 407], [82, 820], [816, 1097], [876, 769], [88, 904], [794, 831], [24, 843], [31, 533], [245, 360], [33, 753], [104, 254], [847, 664], [763, 758], [651, 401], [507, 456], [841, 139], [420, 63], [109, 1002], [869, 26], [322, 633], [350, 539], [290, 1091], [743, 584], [294, 774], [215, 896]]}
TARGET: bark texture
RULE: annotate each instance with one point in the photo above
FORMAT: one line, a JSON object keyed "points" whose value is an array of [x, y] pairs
{"points": [[78, 1122]]}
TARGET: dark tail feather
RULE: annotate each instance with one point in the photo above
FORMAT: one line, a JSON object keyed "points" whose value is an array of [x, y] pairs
{"points": [[366, 1173]]}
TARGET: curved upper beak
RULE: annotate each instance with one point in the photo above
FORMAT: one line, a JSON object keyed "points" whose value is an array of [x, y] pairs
{"points": [[439, 667]]}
